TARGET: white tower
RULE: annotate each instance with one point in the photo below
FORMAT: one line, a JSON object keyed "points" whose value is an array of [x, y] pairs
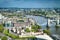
{"points": [[0, 16]]}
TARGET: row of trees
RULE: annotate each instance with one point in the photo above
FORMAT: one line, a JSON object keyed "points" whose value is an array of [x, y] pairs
{"points": [[1, 31], [34, 28], [1, 28], [4, 38], [6, 32]]}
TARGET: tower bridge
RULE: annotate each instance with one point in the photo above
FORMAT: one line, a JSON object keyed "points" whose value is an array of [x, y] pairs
{"points": [[54, 19]]}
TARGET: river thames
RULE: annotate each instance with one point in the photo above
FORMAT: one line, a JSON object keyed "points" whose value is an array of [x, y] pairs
{"points": [[42, 21]]}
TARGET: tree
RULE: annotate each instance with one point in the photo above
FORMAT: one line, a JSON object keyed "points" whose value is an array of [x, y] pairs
{"points": [[27, 30], [46, 31], [38, 27], [1, 28], [6, 32], [4, 38], [35, 27]]}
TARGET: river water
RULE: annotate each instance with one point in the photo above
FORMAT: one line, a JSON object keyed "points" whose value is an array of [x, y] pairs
{"points": [[42, 21]]}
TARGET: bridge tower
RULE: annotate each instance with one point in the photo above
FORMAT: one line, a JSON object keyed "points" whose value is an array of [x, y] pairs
{"points": [[48, 22], [57, 21]]}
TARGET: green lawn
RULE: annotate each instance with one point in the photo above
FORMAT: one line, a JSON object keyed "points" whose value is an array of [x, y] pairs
{"points": [[3, 37], [6, 32]]}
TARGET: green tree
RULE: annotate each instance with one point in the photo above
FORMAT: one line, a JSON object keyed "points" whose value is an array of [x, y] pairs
{"points": [[35, 28], [27, 30], [4, 38], [46, 31], [1, 28], [6, 32]]}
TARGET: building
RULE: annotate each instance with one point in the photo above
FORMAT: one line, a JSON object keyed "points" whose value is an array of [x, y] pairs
{"points": [[19, 27], [1, 19]]}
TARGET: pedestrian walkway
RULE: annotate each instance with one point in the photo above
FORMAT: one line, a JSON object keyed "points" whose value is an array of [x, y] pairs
{"points": [[45, 36]]}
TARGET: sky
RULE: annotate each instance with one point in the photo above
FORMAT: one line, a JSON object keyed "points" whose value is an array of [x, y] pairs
{"points": [[30, 3]]}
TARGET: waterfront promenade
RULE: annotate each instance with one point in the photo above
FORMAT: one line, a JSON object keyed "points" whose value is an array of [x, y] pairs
{"points": [[45, 36]]}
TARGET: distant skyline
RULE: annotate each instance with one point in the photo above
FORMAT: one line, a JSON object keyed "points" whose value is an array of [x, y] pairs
{"points": [[30, 3]]}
